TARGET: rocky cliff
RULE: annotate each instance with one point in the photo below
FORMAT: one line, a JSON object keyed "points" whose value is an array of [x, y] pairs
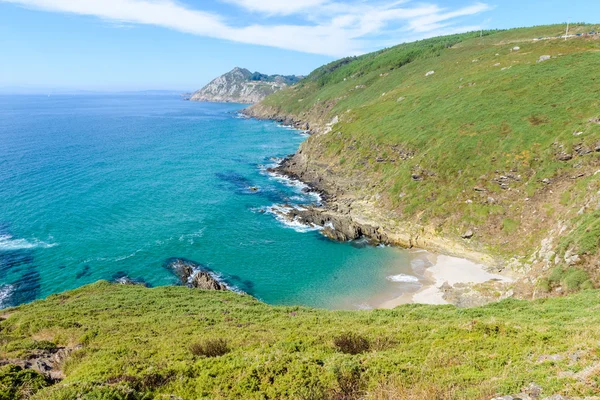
{"points": [[242, 86]]}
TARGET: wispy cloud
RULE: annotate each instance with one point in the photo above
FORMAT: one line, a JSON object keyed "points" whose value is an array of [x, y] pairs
{"points": [[320, 26], [277, 7]]}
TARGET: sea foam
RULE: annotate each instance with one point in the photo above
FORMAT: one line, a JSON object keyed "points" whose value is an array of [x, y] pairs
{"points": [[8, 243], [279, 212], [403, 278], [6, 292]]}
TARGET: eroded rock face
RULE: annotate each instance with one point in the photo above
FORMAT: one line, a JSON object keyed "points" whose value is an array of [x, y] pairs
{"points": [[336, 226], [194, 275], [242, 86]]}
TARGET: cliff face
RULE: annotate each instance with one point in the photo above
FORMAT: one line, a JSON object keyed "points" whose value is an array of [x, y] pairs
{"points": [[242, 86]]}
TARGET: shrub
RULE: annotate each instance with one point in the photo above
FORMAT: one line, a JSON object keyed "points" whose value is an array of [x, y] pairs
{"points": [[587, 285], [574, 279], [350, 384], [351, 343], [210, 348], [544, 285], [19, 383], [556, 276]]}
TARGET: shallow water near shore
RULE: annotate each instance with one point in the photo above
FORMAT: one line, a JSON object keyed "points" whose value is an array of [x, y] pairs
{"points": [[97, 187]]}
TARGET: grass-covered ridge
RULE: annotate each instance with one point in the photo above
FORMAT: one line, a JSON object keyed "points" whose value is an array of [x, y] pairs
{"points": [[136, 343], [491, 140]]}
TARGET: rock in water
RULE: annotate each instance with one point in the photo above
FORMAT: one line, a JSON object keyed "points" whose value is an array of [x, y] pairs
{"points": [[204, 280], [193, 275]]}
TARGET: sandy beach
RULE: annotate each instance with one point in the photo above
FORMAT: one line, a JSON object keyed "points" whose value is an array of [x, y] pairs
{"points": [[444, 269]]}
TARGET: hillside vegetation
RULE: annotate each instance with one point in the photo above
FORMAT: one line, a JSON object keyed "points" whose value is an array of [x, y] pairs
{"points": [[497, 134], [130, 342]]}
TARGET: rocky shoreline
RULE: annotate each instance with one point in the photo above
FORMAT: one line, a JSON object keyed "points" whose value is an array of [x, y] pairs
{"points": [[344, 217]]}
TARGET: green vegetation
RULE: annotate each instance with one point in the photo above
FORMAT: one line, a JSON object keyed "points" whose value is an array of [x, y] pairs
{"points": [[572, 279], [585, 238], [490, 116], [134, 343], [17, 383], [287, 79]]}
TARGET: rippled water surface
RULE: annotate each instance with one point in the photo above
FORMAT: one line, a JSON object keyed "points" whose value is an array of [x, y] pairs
{"points": [[96, 187]]}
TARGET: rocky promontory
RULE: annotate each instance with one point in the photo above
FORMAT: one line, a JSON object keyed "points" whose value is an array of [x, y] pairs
{"points": [[242, 86]]}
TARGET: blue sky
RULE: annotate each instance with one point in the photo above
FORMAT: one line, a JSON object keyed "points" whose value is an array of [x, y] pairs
{"points": [[183, 44]]}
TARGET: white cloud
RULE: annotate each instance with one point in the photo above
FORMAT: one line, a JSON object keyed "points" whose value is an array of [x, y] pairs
{"points": [[280, 7], [322, 27]]}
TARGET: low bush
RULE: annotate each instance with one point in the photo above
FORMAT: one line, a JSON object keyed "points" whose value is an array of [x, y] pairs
{"points": [[19, 383], [351, 343], [350, 384], [210, 348], [572, 279]]}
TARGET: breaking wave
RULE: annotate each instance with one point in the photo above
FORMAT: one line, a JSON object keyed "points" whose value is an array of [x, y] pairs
{"points": [[403, 278], [8, 243], [279, 212], [6, 292]]}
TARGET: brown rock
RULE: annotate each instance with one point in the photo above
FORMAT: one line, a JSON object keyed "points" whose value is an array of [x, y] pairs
{"points": [[194, 275]]}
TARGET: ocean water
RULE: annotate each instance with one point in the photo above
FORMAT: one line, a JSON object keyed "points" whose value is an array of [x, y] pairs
{"points": [[97, 187]]}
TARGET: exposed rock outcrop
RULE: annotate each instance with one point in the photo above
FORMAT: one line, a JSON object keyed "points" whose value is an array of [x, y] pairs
{"points": [[194, 275], [242, 86], [46, 362]]}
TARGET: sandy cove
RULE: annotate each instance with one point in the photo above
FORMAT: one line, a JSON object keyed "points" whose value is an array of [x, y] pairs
{"points": [[450, 270]]}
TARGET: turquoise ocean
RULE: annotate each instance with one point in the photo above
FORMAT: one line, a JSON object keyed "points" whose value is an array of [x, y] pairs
{"points": [[103, 186]]}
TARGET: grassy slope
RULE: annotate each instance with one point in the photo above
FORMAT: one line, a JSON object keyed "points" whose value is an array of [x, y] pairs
{"points": [[467, 125], [136, 340]]}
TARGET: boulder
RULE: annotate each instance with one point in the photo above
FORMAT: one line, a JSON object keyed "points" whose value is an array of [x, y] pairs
{"points": [[205, 281], [564, 156], [194, 275], [544, 58], [468, 234]]}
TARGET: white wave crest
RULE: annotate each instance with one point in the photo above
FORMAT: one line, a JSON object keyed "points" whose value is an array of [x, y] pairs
{"points": [[191, 237], [6, 292], [299, 187], [8, 243], [280, 214], [403, 278]]}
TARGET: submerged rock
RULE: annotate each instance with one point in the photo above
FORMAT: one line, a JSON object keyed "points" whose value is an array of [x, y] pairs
{"points": [[123, 279], [194, 275]]}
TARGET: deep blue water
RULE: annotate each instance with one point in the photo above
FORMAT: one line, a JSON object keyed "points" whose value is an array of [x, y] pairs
{"points": [[94, 187]]}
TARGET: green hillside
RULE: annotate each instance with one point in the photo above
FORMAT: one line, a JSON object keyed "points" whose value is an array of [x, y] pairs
{"points": [[502, 138], [135, 343]]}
